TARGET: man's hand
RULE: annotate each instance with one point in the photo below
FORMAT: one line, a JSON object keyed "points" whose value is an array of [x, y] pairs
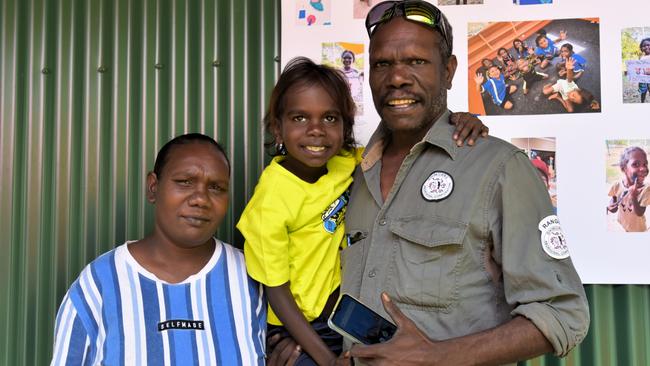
{"points": [[468, 128], [409, 345], [284, 351]]}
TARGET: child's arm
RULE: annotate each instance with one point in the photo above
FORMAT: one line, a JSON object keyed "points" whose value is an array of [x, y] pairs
{"points": [[613, 205], [285, 308], [634, 192], [570, 63], [479, 79]]}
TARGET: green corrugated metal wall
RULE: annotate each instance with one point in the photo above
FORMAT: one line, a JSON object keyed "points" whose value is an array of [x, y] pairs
{"points": [[89, 91]]}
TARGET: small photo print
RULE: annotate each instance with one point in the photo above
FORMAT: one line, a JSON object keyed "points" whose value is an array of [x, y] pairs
{"points": [[534, 67], [532, 2], [635, 46], [628, 187], [360, 8], [349, 58], [541, 152], [459, 2], [313, 12]]}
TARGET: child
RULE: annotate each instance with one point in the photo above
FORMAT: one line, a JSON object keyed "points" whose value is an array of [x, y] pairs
{"points": [[521, 51], [579, 62], [293, 224], [486, 63], [567, 92], [529, 74], [546, 50], [496, 86], [177, 296], [645, 55], [507, 64], [631, 196]]}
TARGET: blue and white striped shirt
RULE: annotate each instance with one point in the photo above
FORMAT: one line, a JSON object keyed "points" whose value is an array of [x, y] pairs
{"points": [[118, 313]]}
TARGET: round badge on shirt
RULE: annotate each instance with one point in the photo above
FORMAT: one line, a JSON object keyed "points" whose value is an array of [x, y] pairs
{"points": [[553, 240], [438, 186]]}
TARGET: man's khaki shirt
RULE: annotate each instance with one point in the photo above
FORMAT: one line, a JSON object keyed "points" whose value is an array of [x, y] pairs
{"points": [[470, 261]]}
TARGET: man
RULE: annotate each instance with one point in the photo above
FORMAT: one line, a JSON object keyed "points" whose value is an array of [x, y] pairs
{"points": [[459, 245], [462, 240]]}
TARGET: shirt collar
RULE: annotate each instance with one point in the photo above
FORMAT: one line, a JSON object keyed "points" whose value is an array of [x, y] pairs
{"points": [[439, 135]]}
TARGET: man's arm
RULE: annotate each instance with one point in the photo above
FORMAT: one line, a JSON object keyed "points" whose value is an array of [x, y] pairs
{"points": [[516, 340]]}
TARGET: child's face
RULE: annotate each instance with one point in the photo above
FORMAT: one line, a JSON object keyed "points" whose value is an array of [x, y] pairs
{"points": [[487, 63], [517, 44], [494, 72], [311, 129], [503, 53], [543, 43], [575, 97], [347, 60], [636, 165], [191, 195], [645, 47], [565, 52], [522, 64]]}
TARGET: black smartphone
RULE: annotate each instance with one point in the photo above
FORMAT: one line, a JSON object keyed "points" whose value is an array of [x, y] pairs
{"points": [[358, 323]]}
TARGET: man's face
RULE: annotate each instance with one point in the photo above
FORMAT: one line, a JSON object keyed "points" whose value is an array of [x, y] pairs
{"points": [[407, 77]]}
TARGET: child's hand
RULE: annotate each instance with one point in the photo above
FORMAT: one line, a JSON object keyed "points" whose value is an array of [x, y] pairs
{"points": [[570, 63], [479, 79], [613, 205], [468, 128], [562, 34]]}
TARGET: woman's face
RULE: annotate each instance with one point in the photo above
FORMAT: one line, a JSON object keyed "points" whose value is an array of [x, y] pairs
{"points": [[190, 195]]}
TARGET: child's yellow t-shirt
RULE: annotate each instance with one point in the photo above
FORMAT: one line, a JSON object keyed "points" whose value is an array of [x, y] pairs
{"points": [[294, 230]]}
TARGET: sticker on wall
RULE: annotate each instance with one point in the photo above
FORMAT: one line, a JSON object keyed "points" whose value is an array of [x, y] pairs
{"points": [[349, 58], [534, 67], [313, 12], [635, 47]]}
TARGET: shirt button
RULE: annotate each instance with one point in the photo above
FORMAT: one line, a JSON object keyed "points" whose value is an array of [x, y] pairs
{"points": [[372, 273], [382, 222]]}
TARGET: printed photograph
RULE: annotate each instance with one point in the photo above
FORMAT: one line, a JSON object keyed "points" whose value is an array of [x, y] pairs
{"points": [[313, 12], [360, 8], [347, 57], [628, 188], [534, 67], [459, 2], [635, 47], [541, 152], [532, 2]]}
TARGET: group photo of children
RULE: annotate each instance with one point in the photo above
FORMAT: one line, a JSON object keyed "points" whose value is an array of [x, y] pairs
{"points": [[628, 188], [635, 49], [534, 67]]}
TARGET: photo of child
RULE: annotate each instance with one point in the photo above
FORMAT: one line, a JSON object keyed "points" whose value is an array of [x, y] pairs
{"points": [[635, 46], [543, 67], [628, 191], [347, 57], [541, 151]]}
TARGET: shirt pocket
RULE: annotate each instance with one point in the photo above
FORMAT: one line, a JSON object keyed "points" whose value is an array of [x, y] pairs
{"points": [[428, 251]]}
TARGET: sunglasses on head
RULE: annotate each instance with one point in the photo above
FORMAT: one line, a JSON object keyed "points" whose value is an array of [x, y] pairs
{"points": [[413, 10]]}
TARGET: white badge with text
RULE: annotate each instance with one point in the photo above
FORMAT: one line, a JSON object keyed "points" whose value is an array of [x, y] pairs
{"points": [[438, 186], [553, 240]]}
